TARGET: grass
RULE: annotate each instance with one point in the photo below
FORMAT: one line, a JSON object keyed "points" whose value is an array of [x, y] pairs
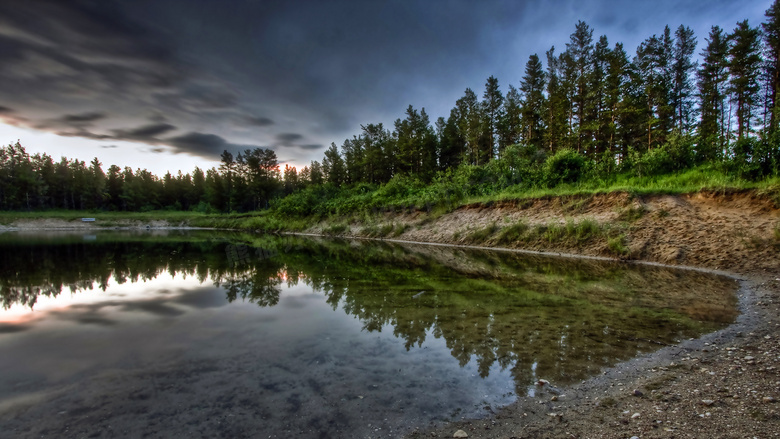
{"points": [[399, 229], [702, 178], [617, 245], [571, 234], [335, 229], [513, 233], [631, 214], [482, 235]]}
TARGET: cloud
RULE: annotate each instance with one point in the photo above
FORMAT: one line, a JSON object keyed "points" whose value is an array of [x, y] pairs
{"points": [[256, 121], [78, 121], [288, 139], [145, 133], [83, 118], [310, 147], [204, 145], [85, 134]]}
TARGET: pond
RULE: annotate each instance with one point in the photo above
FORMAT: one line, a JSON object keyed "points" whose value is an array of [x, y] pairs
{"points": [[219, 334]]}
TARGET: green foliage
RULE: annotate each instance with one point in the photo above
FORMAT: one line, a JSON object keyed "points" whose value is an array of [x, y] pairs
{"points": [[481, 235], [617, 245], [335, 229], [631, 214], [566, 166], [513, 233], [399, 229]]}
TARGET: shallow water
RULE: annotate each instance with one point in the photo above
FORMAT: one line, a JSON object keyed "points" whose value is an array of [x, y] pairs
{"points": [[238, 335]]}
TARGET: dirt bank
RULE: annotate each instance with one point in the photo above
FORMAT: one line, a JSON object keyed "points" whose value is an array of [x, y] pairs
{"points": [[725, 384], [730, 232]]}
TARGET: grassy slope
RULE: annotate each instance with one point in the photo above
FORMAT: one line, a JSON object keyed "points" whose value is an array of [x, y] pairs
{"points": [[362, 206]]}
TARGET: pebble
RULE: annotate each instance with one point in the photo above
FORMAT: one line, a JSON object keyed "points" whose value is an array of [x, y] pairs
{"points": [[707, 402], [768, 399], [460, 433], [638, 392], [635, 415]]}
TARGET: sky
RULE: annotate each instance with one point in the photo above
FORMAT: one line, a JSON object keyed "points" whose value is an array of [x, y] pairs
{"points": [[167, 85]]}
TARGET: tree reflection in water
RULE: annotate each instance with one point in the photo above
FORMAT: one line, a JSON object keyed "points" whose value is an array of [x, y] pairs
{"points": [[536, 316]]}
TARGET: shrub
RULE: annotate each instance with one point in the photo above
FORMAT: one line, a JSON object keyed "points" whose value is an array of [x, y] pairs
{"points": [[566, 166], [656, 161]]}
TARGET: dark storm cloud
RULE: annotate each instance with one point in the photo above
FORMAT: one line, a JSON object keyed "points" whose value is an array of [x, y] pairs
{"points": [[146, 133], [84, 133], [72, 121], [287, 139], [83, 118], [203, 145], [256, 121], [311, 147], [60, 49]]}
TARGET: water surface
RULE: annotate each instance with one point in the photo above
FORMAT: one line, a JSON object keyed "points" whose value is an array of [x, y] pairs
{"points": [[237, 335]]}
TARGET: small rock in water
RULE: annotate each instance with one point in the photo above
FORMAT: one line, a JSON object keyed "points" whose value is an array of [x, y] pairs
{"points": [[460, 433], [542, 382], [638, 392], [748, 358], [554, 398], [768, 399], [635, 415], [707, 402]]}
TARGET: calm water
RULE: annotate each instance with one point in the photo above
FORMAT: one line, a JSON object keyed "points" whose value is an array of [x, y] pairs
{"points": [[208, 334]]}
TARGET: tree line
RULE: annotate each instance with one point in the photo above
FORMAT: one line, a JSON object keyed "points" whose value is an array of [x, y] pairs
{"points": [[597, 100], [591, 108]]}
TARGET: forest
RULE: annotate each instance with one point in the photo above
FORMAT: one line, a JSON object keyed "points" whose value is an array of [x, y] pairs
{"points": [[590, 114]]}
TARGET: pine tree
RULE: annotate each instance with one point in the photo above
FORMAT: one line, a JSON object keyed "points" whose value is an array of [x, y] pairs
{"points": [[712, 78], [333, 166], [492, 109], [532, 86], [653, 64], [772, 40], [557, 110], [682, 68], [579, 51], [744, 67], [452, 143], [511, 124], [470, 125], [617, 76], [598, 118], [228, 167]]}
